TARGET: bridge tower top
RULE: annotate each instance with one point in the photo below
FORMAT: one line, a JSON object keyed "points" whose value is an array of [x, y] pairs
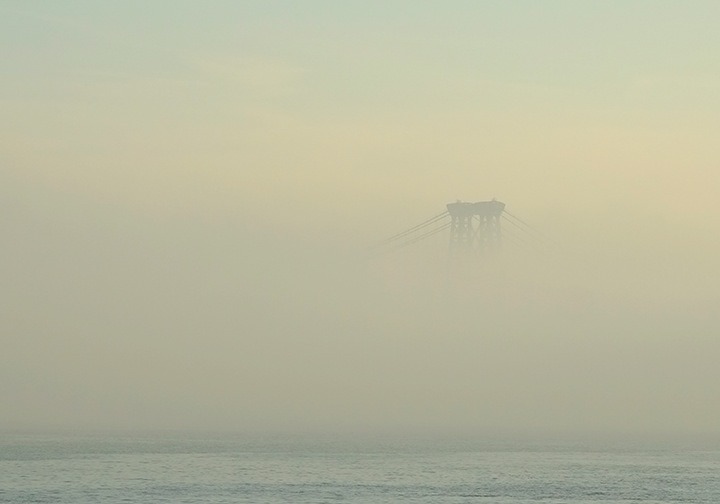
{"points": [[475, 227], [491, 208]]}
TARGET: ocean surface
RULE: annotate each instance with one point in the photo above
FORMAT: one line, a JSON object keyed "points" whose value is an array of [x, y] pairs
{"points": [[214, 469]]}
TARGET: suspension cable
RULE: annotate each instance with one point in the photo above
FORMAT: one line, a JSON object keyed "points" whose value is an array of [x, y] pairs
{"points": [[519, 220], [425, 235], [518, 226], [413, 229]]}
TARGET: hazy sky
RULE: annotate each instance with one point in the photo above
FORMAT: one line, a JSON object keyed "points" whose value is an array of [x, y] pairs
{"points": [[188, 190]]}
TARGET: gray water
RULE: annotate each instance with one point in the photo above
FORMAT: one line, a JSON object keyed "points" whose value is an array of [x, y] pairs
{"points": [[179, 469]]}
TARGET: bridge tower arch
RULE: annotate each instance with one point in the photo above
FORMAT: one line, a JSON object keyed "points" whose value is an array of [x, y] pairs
{"points": [[475, 228]]}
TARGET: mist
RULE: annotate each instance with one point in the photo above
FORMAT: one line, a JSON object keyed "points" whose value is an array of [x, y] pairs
{"points": [[192, 217], [209, 324]]}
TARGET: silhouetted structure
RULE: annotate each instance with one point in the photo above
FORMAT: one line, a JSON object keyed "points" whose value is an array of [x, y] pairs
{"points": [[475, 227], [475, 231]]}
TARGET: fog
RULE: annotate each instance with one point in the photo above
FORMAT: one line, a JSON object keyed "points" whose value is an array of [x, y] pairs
{"points": [[193, 197]]}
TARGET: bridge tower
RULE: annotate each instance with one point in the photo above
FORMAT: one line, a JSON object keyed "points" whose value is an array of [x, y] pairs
{"points": [[475, 227]]}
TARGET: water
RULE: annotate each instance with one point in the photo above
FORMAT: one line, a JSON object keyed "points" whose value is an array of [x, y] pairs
{"points": [[101, 469]]}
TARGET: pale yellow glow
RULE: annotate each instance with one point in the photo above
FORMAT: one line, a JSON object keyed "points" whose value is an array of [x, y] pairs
{"points": [[189, 192]]}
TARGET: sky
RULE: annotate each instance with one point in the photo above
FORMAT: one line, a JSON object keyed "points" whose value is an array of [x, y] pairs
{"points": [[190, 191]]}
